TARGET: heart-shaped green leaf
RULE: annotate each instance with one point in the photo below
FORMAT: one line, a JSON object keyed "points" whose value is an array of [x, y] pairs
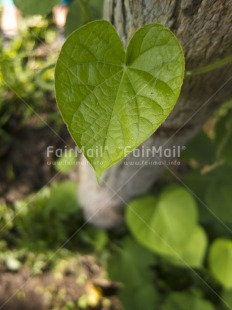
{"points": [[35, 7], [164, 224], [112, 100]]}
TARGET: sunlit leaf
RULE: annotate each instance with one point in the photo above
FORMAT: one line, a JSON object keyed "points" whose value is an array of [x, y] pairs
{"points": [[112, 100], [163, 224]]}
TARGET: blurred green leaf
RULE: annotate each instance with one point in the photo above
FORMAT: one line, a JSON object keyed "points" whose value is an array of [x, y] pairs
{"points": [[220, 261], [82, 12], [163, 224], [35, 7]]}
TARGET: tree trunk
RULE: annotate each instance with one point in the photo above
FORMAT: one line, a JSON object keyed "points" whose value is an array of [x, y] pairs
{"points": [[205, 30]]}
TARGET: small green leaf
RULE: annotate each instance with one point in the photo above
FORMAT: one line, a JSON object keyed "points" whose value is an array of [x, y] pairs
{"points": [[183, 301], [35, 7], [220, 261], [112, 100], [163, 225]]}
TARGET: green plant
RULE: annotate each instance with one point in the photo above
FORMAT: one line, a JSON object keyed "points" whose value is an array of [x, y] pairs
{"points": [[49, 218], [112, 100], [168, 223], [108, 99], [169, 226], [20, 93]]}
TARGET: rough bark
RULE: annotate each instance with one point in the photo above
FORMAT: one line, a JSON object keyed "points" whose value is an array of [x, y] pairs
{"points": [[205, 30]]}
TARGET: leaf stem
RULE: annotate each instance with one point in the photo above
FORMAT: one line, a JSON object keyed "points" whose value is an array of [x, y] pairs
{"points": [[210, 67]]}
